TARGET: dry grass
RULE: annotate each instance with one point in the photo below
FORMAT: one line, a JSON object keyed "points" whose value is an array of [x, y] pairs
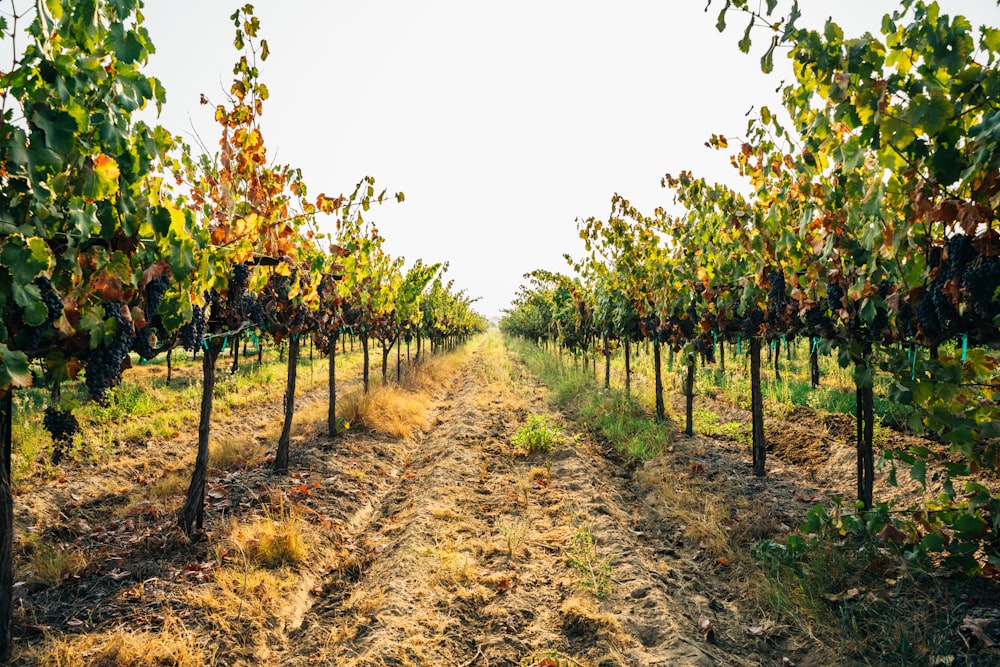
{"points": [[401, 410], [702, 516], [50, 563], [242, 599], [500, 376], [172, 645], [272, 541], [582, 617], [388, 409], [232, 453]]}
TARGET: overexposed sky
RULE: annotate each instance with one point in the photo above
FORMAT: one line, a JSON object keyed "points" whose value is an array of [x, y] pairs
{"points": [[503, 122]]}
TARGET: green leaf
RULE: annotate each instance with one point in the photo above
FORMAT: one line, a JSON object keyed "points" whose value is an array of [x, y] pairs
{"points": [[126, 44], [101, 178], [929, 113], [919, 472], [991, 39], [14, 370], [25, 259], [970, 526], [720, 22], [17, 154], [160, 218], [59, 128], [84, 221], [767, 60], [932, 542], [744, 43]]}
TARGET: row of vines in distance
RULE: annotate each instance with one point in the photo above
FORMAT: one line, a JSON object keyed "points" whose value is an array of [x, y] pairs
{"points": [[117, 239], [868, 226]]}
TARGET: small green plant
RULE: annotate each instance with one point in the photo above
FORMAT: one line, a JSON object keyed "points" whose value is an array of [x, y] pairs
{"points": [[708, 423], [582, 556], [514, 531], [537, 434]]}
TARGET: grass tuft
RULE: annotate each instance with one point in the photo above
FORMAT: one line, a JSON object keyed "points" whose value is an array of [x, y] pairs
{"points": [[537, 434], [171, 645], [272, 541]]}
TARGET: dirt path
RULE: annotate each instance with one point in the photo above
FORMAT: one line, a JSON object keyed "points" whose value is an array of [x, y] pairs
{"points": [[461, 554]]}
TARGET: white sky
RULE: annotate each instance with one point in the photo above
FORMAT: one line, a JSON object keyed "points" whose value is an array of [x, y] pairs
{"points": [[502, 122]]}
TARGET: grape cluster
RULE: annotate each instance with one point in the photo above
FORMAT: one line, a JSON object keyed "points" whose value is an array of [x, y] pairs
{"points": [[193, 332], [906, 320], [816, 319], [981, 282], [238, 284], [872, 331], [959, 253], [61, 424], [103, 365], [251, 310], [154, 292], [936, 313], [704, 346], [34, 338], [928, 317], [834, 296], [686, 324], [776, 302]]}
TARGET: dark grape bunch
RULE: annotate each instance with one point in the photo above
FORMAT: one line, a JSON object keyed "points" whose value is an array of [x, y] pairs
{"points": [[816, 319], [936, 313], [33, 338], [834, 296], [906, 320], [154, 292], [251, 310], [776, 301], [62, 426], [703, 346], [238, 283], [103, 364], [193, 332], [981, 282], [872, 331], [959, 253]]}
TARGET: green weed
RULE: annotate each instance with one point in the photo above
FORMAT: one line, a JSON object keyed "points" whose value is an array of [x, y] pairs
{"points": [[582, 556], [537, 434]]}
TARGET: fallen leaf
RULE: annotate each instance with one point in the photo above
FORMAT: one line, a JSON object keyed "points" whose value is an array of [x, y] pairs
{"points": [[977, 626], [506, 586]]}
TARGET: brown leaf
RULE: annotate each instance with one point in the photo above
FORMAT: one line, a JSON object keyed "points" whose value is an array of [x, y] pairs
{"points": [[977, 626], [892, 534], [505, 586], [156, 270]]}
